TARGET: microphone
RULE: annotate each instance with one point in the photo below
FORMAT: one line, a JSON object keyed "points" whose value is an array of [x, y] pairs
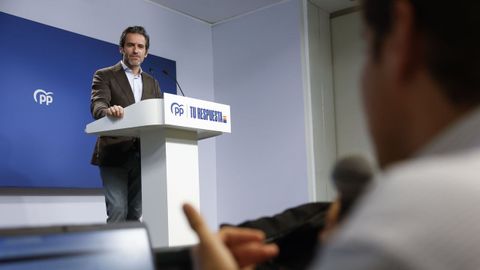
{"points": [[173, 78]]}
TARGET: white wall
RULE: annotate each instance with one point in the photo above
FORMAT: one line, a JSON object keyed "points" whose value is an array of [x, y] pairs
{"points": [[48, 209], [261, 166], [173, 36], [321, 101], [348, 51]]}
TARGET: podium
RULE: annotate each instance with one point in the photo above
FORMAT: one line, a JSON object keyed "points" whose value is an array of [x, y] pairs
{"points": [[169, 130]]}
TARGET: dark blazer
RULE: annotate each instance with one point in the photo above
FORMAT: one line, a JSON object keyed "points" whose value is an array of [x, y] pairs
{"points": [[110, 87]]}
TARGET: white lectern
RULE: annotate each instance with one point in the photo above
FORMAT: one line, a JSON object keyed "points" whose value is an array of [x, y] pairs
{"points": [[169, 130]]}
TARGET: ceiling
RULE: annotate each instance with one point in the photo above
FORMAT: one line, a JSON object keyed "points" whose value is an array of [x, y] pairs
{"points": [[214, 11], [335, 5]]}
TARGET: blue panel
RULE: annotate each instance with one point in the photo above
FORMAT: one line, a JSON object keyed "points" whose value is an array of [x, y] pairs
{"points": [[45, 145]]}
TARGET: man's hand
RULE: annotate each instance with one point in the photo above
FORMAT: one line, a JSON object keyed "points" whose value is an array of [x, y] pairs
{"points": [[247, 245], [230, 249], [115, 111]]}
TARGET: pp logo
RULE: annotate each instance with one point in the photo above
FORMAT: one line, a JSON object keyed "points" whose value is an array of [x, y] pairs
{"points": [[42, 97], [177, 109]]}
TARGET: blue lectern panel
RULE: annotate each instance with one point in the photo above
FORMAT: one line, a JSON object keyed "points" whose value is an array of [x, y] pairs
{"points": [[45, 84]]}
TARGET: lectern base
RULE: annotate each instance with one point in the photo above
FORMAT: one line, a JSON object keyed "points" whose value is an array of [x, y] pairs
{"points": [[170, 177]]}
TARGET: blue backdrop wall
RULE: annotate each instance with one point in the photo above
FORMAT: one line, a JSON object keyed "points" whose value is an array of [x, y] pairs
{"points": [[45, 80]]}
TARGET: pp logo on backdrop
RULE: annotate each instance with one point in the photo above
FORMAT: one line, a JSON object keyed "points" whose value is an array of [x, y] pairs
{"points": [[43, 97], [177, 109]]}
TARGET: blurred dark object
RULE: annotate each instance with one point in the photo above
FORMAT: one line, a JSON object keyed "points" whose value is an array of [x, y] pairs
{"points": [[351, 176], [173, 258], [295, 231]]}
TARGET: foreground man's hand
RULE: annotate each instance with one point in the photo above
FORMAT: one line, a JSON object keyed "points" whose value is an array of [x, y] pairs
{"points": [[232, 248]]}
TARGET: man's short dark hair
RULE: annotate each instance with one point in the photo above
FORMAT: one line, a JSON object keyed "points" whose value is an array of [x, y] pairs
{"points": [[451, 32], [135, 30]]}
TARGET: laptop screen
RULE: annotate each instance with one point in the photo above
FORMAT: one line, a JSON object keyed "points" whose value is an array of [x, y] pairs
{"points": [[118, 247]]}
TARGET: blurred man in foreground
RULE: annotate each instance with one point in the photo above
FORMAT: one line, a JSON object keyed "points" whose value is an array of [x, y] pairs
{"points": [[421, 90]]}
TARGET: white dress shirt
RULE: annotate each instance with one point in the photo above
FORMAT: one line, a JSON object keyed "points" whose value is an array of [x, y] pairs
{"points": [[135, 81], [422, 214]]}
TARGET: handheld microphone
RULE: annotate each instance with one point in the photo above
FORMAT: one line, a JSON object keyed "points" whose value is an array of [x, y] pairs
{"points": [[173, 78]]}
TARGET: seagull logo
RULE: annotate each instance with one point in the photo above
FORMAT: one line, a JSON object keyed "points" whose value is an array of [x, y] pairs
{"points": [[177, 109], [43, 97]]}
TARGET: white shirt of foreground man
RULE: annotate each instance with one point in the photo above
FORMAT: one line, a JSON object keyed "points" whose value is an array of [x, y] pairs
{"points": [[424, 213]]}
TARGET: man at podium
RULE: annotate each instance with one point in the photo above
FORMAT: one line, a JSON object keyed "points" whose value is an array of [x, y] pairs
{"points": [[118, 158]]}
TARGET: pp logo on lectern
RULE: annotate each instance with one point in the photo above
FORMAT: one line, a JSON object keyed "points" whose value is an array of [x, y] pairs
{"points": [[43, 97], [177, 109]]}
